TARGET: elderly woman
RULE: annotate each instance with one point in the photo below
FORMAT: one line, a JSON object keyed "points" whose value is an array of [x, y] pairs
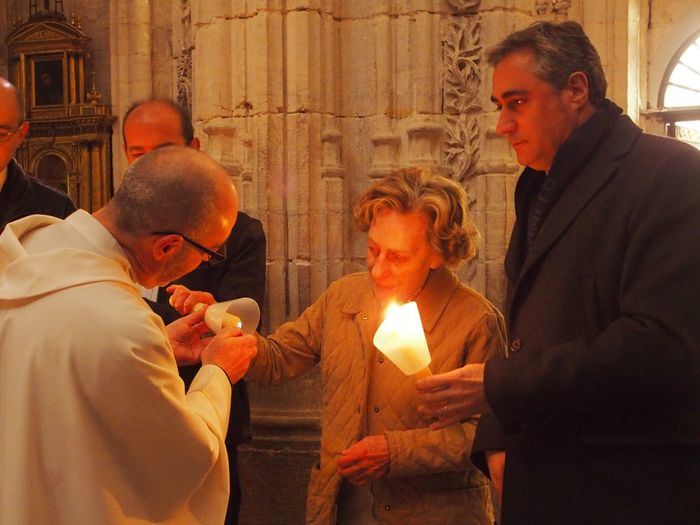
{"points": [[380, 462]]}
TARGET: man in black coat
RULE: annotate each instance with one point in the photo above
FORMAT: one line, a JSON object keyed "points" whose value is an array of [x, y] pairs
{"points": [[154, 123], [20, 194], [593, 416]]}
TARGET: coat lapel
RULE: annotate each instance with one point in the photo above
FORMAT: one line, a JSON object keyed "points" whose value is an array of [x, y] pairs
{"points": [[517, 247], [581, 190]]}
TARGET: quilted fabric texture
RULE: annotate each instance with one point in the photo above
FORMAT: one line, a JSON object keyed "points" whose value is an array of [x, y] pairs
{"points": [[431, 479]]}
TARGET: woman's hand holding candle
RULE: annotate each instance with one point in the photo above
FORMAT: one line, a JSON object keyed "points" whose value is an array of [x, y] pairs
{"points": [[452, 397]]}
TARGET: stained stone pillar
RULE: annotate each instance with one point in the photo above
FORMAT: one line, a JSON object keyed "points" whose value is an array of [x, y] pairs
{"points": [[141, 57], [131, 72]]}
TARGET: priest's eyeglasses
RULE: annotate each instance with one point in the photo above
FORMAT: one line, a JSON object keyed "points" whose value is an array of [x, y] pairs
{"points": [[6, 134], [215, 257]]}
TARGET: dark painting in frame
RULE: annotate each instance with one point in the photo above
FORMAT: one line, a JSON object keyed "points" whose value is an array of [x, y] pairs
{"points": [[48, 82]]}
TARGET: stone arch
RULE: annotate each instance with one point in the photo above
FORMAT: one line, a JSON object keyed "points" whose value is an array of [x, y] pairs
{"points": [[53, 167]]}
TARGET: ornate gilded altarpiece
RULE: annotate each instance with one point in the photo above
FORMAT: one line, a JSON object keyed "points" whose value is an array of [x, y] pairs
{"points": [[69, 140]]}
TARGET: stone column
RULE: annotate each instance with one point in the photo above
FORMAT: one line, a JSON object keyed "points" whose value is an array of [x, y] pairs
{"points": [[131, 70], [615, 30]]}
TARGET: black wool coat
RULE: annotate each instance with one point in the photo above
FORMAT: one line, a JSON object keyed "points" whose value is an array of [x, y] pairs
{"points": [[597, 402], [23, 195]]}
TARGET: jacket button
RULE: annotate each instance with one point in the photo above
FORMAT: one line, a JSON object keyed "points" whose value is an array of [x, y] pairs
{"points": [[387, 507], [515, 345], [364, 317], [381, 360], [375, 409]]}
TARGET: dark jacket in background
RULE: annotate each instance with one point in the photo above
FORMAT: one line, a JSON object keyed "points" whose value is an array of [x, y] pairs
{"points": [[242, 274], [597, 402], [23, 195]]}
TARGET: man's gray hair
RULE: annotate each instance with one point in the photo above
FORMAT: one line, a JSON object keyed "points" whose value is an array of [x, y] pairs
{"points": [[171, 189], [560, 49]]}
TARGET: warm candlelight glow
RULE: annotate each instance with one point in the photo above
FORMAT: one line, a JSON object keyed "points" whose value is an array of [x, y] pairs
{"points": [[242, 313], [401, 338]]}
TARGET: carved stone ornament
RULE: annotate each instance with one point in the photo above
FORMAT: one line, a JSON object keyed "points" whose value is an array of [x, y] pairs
{"points": [[385, 153], [331, 165], [561, 7], [184, 78], [461, 54], [461, 145], [556, 7], [464, 6], [461, 47], [184, 60]]}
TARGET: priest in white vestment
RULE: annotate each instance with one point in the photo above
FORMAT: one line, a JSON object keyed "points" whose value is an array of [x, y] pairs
{"points": [[95, 424]]}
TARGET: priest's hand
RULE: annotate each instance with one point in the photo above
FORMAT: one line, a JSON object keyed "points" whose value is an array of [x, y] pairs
{"points": [[183, 299], [232, 352], [452, 397], [185, 336], [365, 461]]}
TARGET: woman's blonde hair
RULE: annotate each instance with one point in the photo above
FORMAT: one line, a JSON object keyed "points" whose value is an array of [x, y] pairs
{"points": [[451, 230]]}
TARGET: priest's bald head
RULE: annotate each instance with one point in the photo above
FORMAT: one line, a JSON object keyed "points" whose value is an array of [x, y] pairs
{"points": [[174, 209]]}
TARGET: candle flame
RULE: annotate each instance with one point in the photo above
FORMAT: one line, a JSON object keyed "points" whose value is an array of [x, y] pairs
{"points": [[401, 338]]}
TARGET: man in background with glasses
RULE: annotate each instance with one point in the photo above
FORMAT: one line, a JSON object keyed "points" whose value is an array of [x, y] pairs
{"points": [[20, 194], [236, 270], [95, 424]]}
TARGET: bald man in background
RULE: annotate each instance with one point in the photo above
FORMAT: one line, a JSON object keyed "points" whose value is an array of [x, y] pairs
{"points": [[155, 123], [20, 194]]}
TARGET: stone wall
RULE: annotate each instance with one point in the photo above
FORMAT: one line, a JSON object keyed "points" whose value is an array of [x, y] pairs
{"points": [[306, 102]]}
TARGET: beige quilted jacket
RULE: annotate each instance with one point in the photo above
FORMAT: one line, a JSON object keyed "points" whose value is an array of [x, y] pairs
{"points": [[431, 479]]}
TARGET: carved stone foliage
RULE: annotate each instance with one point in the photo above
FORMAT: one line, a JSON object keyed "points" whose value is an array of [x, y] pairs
{"points": [[552, 7], [184, 78], [184, 59], [461, 48], [461, 54], [461, 146]]}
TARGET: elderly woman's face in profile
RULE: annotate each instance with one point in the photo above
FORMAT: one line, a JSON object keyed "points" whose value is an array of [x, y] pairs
{"points": [[399, 256]]}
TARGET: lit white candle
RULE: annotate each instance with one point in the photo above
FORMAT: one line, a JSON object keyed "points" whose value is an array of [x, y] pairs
{"points": [[242, 313], [400, 337]]}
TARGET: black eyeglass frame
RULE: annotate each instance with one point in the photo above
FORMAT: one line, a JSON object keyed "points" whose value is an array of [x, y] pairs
{"points": [[214, 257]]}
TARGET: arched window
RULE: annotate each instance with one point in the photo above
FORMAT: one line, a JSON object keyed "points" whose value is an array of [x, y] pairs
{"points": [[680, 93]]}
